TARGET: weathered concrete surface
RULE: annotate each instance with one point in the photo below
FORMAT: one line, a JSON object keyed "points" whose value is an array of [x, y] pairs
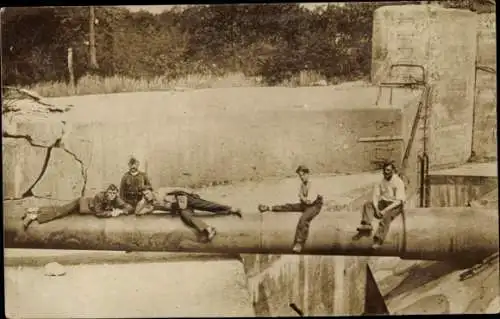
{"points": [[207, 288], [318, 285], [462, 185], [168, 131], [485, 113], [56, 180], [427, 287], [22, 165], [40, 257], [443, 41], [42, 129]]}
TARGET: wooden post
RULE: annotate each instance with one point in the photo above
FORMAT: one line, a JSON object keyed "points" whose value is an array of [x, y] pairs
{"points": [[92, 45], [70, 69]]}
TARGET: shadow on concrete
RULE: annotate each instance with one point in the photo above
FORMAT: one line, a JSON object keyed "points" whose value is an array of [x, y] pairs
{"points": [[419, 275]]}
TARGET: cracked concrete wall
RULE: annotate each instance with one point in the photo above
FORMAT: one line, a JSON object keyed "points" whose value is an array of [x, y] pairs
{"points": [[29, 173], [485, 109], [185, 140]]}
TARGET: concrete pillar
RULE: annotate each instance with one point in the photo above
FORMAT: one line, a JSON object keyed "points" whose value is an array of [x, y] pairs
{"points": [[443, 41]]}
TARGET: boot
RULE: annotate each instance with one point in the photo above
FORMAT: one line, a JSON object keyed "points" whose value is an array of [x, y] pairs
{"points": [[263, 208], [297, 248], [236, 212]]}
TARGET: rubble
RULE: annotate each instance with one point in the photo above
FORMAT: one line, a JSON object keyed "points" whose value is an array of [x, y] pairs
{"points": [[54, 269]]}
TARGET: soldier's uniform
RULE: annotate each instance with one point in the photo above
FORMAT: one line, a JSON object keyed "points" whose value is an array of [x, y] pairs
{"points": [[131, 187], [194, 202], [98, 206]]}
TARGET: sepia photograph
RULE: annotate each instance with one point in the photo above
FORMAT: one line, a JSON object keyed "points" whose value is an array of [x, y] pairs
{"points": [[250, 160]]}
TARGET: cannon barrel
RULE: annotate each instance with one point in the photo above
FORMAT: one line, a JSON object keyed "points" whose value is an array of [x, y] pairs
{"points": [[419, 233]]}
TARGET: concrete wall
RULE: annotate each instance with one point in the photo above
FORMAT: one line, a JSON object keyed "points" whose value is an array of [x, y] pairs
{"points": [[317, 285], [182, 141], [443, 41], [485, 109]]}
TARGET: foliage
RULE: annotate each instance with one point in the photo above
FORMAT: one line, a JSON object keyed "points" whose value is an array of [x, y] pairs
{"points": [[277, 42]]}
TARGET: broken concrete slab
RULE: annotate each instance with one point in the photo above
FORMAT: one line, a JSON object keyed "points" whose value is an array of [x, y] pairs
{"points": [[39, 130], [63, 178], [22, 165]]}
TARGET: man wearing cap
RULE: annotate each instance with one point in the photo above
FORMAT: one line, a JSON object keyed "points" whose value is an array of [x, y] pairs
{"points": [[184, 203], [310, 203], [104, 204], [387, 203], [133, 181]]}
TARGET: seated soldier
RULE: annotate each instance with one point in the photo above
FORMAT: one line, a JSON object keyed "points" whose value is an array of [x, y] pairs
{"points": [[104, 204], [133, 181], [184, 203]]}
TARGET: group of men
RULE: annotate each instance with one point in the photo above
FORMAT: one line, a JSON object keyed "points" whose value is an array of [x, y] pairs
{"points": [[136, 196]]}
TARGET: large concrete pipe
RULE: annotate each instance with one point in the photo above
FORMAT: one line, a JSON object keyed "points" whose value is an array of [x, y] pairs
{"points": [[421, 233]]}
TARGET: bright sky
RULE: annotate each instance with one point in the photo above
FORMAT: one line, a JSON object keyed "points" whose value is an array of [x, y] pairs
{"points": [[159, 9]]}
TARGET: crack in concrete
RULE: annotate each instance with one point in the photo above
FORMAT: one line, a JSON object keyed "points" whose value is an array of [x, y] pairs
{"points": [[27, 138], [57, 144], [83, 169], [29, 192]]}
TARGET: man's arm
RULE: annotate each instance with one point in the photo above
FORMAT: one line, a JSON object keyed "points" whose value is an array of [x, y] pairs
{"points": [[124, 206], [400, 196], [143, 208], [163, 206], [376, 196], [147, 181], [123, 186]]}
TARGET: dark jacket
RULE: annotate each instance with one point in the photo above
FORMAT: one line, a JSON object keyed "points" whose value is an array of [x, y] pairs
{"points": [[102, 207], [131, 187]]}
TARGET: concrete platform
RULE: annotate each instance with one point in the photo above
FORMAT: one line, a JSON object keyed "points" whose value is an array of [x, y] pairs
{"points": [[470, 169]]}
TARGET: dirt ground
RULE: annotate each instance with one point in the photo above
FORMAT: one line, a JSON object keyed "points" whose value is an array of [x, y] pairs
{"points": [[210, 288]]}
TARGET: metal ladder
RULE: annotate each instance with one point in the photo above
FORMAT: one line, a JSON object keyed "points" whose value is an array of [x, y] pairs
{"points": [[420, 122]]}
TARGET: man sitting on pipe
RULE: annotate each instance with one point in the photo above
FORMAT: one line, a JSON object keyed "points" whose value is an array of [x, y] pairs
{"points": [[310, 206], [132, 183], [386, 204], [184, 203], [104, 204]]}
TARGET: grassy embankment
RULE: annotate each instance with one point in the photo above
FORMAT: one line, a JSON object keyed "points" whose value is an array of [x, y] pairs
{"points": [[116, 84]]}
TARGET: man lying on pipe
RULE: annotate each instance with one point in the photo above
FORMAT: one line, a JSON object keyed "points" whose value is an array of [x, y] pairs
{"points": [[104, 204], [184, 203]]}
